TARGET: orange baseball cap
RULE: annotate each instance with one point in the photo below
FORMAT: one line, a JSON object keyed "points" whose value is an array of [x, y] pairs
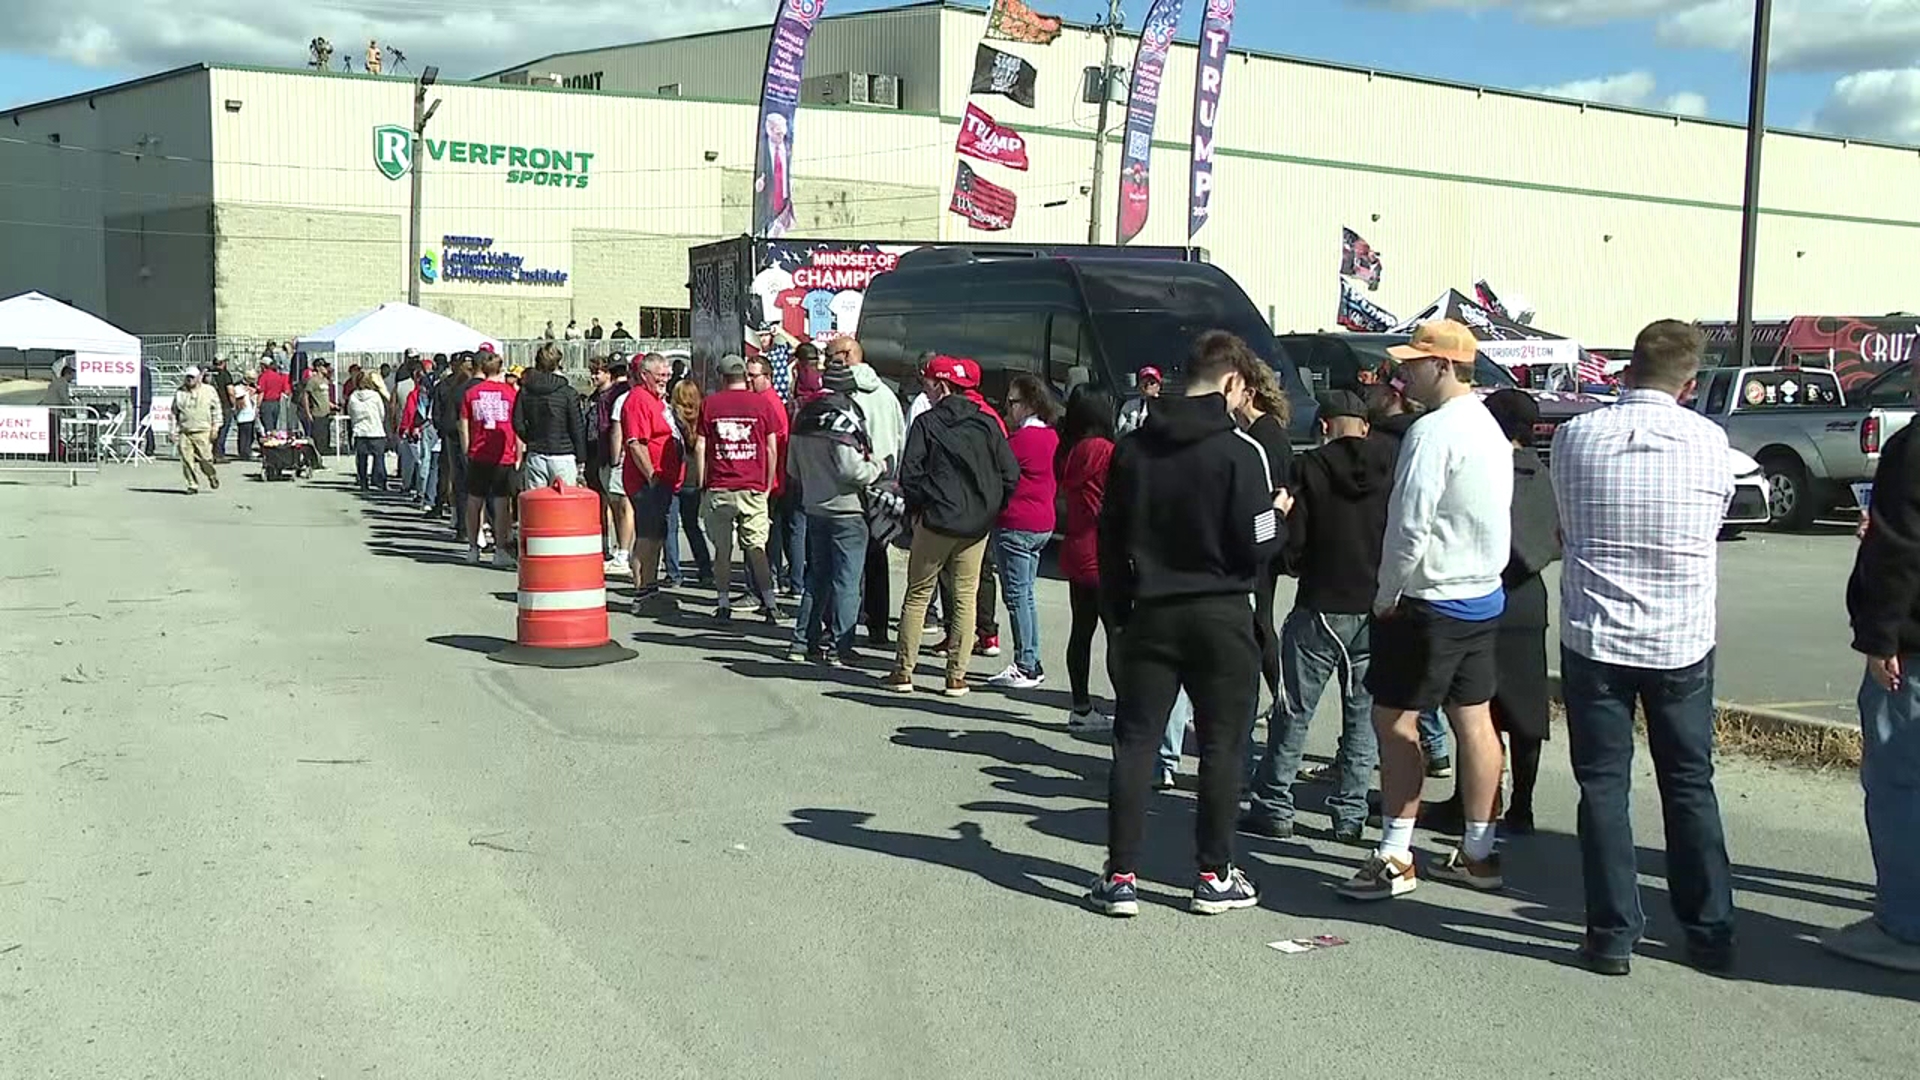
{"points": [[1443, 339]]}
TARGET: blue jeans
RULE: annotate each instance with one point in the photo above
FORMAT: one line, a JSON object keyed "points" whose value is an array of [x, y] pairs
{"points": [[270, 416], [1315, 647], [1179, 719], [1018, 557], [1679, 706], [793, 523], [370, 456], [220, 439], [429, 486], [685, 510], [1890, 775], [836, 564], [1433, 735]]}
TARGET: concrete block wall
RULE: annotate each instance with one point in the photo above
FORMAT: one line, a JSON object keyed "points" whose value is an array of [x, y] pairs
{"points": [[827, 208], [281, 272]]}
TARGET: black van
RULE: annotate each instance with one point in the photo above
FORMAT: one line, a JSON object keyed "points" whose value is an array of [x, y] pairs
{"points": [[1070, 320]]}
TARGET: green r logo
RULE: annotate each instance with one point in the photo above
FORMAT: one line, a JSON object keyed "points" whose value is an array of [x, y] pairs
{"points": [[393, 150]]}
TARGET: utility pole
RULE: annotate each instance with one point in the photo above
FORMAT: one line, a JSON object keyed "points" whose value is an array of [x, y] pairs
{"points": [[1111, 30], [422, 112], [1750, 208]]}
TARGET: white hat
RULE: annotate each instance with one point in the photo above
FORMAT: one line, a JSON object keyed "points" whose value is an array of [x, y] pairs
{"points": [[192, 372]]}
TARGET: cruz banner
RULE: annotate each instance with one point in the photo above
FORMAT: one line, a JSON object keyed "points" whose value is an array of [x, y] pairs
{"points": [[1143, 105], [1210, 72], [983, 137], [779, 96], [996, 72], [1013, 20], [986, 205]]}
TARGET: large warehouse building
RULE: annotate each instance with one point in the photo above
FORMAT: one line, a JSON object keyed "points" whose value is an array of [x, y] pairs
{"points": [[263, 203]]}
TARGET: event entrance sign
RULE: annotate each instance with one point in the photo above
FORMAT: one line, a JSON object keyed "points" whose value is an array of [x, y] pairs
{"points": [[25, 430]]}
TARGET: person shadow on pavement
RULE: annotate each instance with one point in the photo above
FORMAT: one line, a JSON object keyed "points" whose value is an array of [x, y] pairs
{"points": [[1545, 920]]}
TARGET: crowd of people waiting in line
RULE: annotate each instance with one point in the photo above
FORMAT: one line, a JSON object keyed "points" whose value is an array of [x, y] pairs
{"points": [[1418, 530]]}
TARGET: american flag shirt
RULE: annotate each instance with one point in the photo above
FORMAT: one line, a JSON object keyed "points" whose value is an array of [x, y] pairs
{"points": [[1642, 487]]}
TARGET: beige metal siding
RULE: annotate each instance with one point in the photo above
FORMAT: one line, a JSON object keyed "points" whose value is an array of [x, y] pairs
{"points": [[728, 66], [114, 216]]}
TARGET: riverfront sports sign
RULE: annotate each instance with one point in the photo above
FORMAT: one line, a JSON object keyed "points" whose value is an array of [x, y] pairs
{"points": [[540, 166]]}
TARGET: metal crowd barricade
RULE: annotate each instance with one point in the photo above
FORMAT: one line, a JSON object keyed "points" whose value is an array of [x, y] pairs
{"points": [[54, 439]]}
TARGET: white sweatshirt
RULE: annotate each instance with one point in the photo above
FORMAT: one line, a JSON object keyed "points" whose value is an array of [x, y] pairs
{"points": [[1448, 524]]}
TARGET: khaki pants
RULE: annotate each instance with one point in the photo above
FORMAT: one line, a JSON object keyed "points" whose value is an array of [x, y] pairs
{"points": [[727, 515], [931, 554], [196, 450]]}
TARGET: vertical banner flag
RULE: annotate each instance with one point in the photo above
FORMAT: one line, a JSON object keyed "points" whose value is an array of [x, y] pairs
{"points": [[983, 137], [1013, 20], [996, 72], [1210, 73], [986, 205], [1143, 104], [1359, 260], [779, 96]]}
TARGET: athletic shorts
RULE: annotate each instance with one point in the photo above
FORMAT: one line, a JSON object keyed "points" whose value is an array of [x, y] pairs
{"points": [[1423, 660], [490, 480], [613, 480], [650, 505]]}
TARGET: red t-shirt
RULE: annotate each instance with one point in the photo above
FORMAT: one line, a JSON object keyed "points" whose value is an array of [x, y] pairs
{"points": [[644, 418], [488, 411], [273, 385], [785, 431], [736, 425]]}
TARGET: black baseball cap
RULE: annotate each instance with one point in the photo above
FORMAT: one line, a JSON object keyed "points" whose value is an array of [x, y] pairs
{"points": [[1338, 403]]}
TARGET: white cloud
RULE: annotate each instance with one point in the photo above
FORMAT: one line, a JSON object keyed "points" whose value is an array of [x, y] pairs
{"points": [[1882, 105], [465, 37], [1632, 88], [1807, 35]]}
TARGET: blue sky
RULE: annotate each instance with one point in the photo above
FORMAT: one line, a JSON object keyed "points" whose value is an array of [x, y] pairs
{"points": [[1840, 65]]}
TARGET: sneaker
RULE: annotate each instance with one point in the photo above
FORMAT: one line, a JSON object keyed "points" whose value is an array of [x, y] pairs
{"points": [[1517, 823], [988, 645], [770, 616], [1480, 874], [900, 682], [796, 655], [502, 560], [1871, 944], [1383, 878], [723, 615], [835, 660], [473, 554], [213, 482], [956, 687], [486, 536], [1217, 895], [1015, 679], [1115, 895], [1440, 766], [1166, 781], [1258, 824], [1319, 774], [1088, 722], [617, 565]]}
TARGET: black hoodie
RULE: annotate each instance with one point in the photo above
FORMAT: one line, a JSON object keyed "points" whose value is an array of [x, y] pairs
{"points": [[957, 471], [1338, 521], [1188, 510], [546, 415]]}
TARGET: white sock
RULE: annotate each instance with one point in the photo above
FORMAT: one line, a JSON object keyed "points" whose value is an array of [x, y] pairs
{"points": [[1479, 840], [1396, 837]]}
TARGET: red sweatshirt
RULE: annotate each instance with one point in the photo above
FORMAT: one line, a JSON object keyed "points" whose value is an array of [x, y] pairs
{"points": [[1031, 508], [1084, 476]]}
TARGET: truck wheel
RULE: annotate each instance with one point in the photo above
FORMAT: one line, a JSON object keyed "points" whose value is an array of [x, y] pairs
{"points": [[1790, 502]]}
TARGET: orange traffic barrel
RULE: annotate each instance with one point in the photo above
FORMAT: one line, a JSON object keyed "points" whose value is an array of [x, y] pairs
{"points": [[563, 583]]}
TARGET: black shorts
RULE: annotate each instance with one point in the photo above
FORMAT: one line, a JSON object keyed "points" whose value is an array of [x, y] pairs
{"points": [[489, 480], [650, 505], [1422, 659]]}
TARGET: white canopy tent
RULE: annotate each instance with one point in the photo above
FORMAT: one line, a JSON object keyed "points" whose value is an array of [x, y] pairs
{"points": [[104, 354], [392, 328]]}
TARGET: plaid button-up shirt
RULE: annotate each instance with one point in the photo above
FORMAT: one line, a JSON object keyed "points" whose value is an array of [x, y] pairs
{"points": [[1642, 488]]}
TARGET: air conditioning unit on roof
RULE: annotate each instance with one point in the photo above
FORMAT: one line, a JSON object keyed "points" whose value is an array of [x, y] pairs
{"points": [[885, 91]]}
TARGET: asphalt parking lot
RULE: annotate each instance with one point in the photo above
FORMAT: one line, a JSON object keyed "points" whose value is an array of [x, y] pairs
{"points": [[269, 812]]}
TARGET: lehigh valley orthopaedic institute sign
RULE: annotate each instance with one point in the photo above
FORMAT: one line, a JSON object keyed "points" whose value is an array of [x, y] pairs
{"points": [[475, 258], [541, 166]]}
